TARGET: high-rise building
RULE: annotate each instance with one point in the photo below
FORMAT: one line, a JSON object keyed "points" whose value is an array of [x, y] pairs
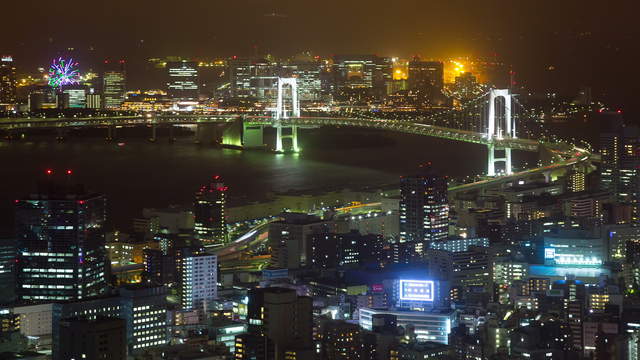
{"points": [[114, 84], [424, 208], [426, 75], [7, 82], [307, 74], [182, 83], [199, 281], [290, 239], [428, 325], [142, 307], [7, 269], [620, 151], [329, 251], [101, 338], [60, 244], [576, 180], [280, 326], [253, 77], [340, 340], [360, 73], [74, 97], [209, 210]]}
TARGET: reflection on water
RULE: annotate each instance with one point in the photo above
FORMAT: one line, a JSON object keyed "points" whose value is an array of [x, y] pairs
{"points": [[140, 174]]}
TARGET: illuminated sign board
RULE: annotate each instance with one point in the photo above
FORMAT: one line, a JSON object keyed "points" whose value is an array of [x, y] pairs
{"points": [[549, 253], [377, 288], [416, 290]]}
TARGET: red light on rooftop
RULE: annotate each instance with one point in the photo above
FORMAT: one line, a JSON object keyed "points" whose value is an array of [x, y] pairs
{"points": [[619, 111], [80, 202], [69, 172], [49, 171]]}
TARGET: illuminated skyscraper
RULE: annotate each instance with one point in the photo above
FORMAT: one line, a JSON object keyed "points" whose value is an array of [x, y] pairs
{"points": [[7, 82], [426, 75], [280, 326], [114, 84], [424, 208], [60, 245], [199, 281], [210, 222], [74, 97], [620, 151], [182, 83]]}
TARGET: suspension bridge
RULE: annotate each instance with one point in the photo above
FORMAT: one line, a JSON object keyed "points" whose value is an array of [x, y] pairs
{"points": [[495, 120]]}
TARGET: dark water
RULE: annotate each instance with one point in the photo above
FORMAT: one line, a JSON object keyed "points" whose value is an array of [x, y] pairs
{"points": [[140, 174]]}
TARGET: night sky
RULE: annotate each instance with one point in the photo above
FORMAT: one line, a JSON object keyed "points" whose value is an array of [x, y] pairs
{"points": [[588, 43]]}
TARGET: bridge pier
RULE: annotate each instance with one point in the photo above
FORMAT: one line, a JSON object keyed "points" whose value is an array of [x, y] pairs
{"points": [[60, 134], [252, 136], [293, 135], [492, 159], [171, 136], [111, 133], [197, 134], [154, 133]]}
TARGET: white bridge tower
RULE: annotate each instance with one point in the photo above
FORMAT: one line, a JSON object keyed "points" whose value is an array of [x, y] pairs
{"points": [[498, 130], [282, 113]]}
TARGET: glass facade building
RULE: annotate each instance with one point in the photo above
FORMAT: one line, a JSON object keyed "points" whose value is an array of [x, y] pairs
{"points": [[424, 208], [114, 85], [210, 221], [60, 246], [183, 80]]}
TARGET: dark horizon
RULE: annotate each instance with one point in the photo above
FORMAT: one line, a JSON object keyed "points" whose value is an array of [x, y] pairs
{"points": [[585, 43]]}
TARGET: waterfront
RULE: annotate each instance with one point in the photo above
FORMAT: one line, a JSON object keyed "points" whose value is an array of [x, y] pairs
{"points": [[134, 173]]}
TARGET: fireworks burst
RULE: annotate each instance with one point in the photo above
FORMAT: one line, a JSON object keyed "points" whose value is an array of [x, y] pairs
{"points": [[63, 72]]}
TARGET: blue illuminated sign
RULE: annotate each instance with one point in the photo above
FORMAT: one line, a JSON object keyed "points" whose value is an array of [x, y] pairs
{"points": [[416, 290]]}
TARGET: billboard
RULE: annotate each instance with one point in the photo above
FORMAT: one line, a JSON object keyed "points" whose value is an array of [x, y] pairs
{"points": [[416, 290]]}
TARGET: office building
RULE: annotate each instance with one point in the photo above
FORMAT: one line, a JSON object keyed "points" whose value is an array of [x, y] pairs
{"points": [[426, 75], [182, 83], [424, 209], [359, 75], [329, 251], [74, 97], [94, 101], [101, 338], [290, 239], [209, 210], [420, 350], [7, 269], [8, 82], [114, 85], [43, 97], [460, 244], [428, 325], [280, 326], [620, 151], [340, 340], [199, 281], [466, 86], [253, 77], [142, 307], [574, 249], [60, 244], [472, 269]]}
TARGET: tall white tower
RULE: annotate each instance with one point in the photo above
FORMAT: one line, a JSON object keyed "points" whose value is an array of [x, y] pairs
{"points": [[497, 130], [282, 113]]}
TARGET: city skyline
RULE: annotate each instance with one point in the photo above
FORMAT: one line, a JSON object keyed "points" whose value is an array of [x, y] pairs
{"points": [[533, 37], [345, 180]]}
